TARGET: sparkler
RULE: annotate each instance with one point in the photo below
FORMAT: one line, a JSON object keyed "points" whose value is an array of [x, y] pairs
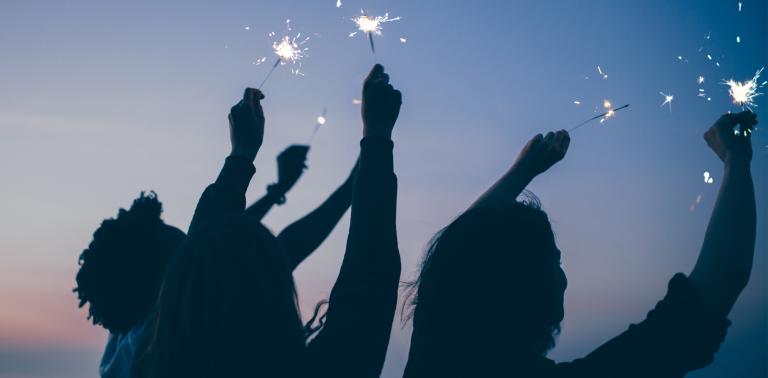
{"points": [[289, 50], [744, 93], [667, 100], [371, 26], [608, 114], [320, 121], [602, 73]]}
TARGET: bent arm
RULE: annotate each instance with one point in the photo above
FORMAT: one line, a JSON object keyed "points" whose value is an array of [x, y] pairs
{"points": [[506, 189], [259, 209], [725, 261], [304, 236]]}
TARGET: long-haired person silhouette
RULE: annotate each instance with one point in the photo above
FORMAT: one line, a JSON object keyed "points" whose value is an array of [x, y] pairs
{"points": [[122, 268], [227, 306], [489, 298]]}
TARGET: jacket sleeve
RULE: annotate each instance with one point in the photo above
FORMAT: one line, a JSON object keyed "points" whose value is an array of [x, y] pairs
{"points": [[353, 342], [226, 196], [678, 336]]}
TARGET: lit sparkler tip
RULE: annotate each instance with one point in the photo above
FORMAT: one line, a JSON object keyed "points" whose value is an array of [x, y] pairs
{"points": [[668, 98], [371, 25], [744, 93]]}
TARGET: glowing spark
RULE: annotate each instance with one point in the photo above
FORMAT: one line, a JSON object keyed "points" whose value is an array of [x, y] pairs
{"points": [[740, 4], [698, 199], [744, 93], [247, 28], [289, 50], [603, 74], [709, 57], [708, 178], [610, 113], [356, 101], [667, 100], [338, 3], [738, 39], [577, 102], [679, 57], [403, 40], [709, 35], [371, 25], [320, 121], [700, 80]]}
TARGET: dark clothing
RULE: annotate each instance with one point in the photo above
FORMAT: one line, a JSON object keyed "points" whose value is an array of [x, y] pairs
{"points": [[226, 196], [362, 305], [353, 342], [679, 335]]}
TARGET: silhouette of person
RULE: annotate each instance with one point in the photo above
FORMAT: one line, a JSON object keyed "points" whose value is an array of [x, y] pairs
{"points": [[227, 306], [122, 269], [489, 299]]}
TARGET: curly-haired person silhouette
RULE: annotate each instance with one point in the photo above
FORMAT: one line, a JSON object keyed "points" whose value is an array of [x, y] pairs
{"points": [[489, 299], [122, 269], [228, 307]]}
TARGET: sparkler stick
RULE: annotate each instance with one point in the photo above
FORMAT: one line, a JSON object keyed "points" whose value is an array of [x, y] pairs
{"points": [[607, 114], [277, 63], [320, 121]]}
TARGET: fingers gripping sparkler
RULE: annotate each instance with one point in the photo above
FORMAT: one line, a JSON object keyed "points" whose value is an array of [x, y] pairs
{"points": [[602, 117]]}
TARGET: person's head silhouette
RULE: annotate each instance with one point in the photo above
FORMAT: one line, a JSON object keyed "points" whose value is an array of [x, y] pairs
{"points": [[227, 307], [490, 288], [122, 268]]}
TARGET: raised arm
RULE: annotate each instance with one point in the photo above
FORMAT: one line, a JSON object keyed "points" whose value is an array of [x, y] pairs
{"points": [[725, 261], [290, 167], [302, 237], [538, 155], [362, 305], [226, 195]]}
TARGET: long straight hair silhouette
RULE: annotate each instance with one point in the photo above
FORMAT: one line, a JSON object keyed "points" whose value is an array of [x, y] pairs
{"points": [[490, 287], [227, 308]]}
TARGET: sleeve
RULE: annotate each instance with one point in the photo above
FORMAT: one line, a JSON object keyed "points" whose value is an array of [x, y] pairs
{"points": [[226, 196], [679, 335], [353, 342]]}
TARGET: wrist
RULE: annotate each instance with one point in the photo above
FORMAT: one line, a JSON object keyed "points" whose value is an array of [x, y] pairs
{"points": [[245, 154], [737, 166], [525, 173], [377, 132], [276, 193]]}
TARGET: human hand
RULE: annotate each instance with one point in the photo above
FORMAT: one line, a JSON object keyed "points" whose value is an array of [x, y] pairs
{"points": [[290, 166], [542, 152], [246, 125], [731, 147], [381, 104]]}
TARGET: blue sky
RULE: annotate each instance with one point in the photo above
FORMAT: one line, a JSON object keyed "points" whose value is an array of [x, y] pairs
{"points": [[99, 101]]}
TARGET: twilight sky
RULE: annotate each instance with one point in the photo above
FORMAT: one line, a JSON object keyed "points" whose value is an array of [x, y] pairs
{"points": [[100, 100]]}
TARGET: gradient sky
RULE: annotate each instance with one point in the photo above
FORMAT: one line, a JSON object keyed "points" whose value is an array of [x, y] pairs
{"points": [[99, 101]]}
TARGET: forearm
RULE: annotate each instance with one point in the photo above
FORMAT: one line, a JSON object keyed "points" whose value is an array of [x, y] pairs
{"points": [[259, 209], [304, 236], [506, 189], [725, 260]]}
